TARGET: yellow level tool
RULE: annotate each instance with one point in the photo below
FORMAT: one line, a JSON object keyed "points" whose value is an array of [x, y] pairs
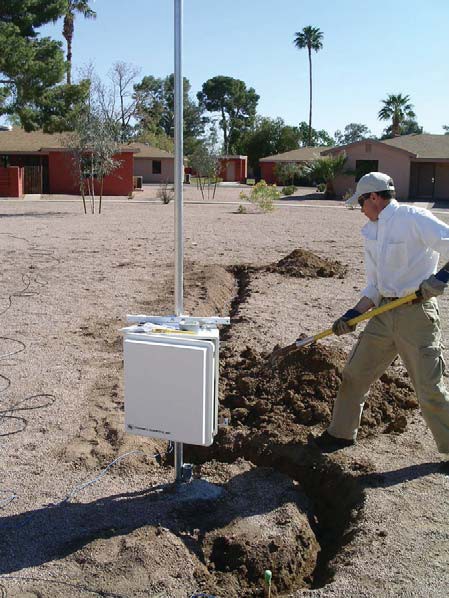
{"points": [[366, 316]]}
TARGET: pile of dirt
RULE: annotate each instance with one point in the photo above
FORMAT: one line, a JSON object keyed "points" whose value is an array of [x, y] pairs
{"points": [[291, 390], [305, 264]]}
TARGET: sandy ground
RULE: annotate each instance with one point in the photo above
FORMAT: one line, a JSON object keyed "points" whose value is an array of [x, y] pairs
{"points": [[67, 282]]}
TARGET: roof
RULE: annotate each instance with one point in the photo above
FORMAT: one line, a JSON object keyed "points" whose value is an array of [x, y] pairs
{"points": [[17, 140], [341, 148], [142, 150], [418, 146], [301, 154], [424, 146]]}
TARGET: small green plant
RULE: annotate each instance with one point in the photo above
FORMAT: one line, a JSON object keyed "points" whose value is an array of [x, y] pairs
{"points": [[262, 196], [241, 209], [165, 193], [321, 187], [289, 190]]}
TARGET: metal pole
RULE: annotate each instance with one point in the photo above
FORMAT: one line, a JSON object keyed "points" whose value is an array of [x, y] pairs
{"points": [[179, 179]]}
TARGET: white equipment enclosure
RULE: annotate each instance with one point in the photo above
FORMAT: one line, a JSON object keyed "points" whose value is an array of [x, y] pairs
{"points": [[171, 378]]}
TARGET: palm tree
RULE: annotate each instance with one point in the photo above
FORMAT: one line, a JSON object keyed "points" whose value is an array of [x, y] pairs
{"points": [[74, 6], [397, 108], [326, 170], [310, 38]]}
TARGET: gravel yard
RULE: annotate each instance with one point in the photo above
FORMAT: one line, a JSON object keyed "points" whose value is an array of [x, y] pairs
{"points": [[371, 520]]}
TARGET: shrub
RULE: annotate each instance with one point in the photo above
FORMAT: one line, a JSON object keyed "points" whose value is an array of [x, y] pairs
{"points": [[321, 187], [262, 196], [289, 190], [166, 193], [241, 209]]}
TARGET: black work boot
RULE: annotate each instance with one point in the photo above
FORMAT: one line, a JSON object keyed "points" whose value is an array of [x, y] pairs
{"points": [[329, 444]]}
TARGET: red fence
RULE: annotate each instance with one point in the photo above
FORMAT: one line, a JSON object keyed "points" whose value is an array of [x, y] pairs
{"points": [[11, 181]]}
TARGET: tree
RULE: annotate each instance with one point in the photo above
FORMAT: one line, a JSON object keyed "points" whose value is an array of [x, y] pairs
{"points": [[313, 138], [408, 127], [397, 108], [236, 105], [267, 137], [93, 145], [310, 38], [56, 109], [287, 172], [31, 67], [352, 133], [71, 8], [446, 129], [118, 102], [155, 111], [325, 170], [204, 161]]}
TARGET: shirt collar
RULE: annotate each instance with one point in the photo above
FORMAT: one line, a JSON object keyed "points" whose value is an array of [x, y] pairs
{"points": [[369, 230], [388, 211]]}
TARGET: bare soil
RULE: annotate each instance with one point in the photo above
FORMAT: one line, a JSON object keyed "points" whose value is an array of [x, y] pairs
{"points": [[354, 523]]}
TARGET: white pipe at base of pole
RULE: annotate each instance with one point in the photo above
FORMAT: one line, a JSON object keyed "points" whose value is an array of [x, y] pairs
{"points": [[179, 179]]}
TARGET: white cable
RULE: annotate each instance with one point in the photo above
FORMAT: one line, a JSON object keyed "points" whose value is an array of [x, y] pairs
{"points": [[9, 498]]}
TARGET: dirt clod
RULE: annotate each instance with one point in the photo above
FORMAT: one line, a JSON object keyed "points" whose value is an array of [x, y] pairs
{"points": [[305, 264]]}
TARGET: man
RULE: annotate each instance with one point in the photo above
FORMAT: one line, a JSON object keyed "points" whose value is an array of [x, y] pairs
{"points": [[402, 247]]}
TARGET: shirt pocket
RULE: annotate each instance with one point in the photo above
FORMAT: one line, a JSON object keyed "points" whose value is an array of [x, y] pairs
{"points": [[396, 255]]}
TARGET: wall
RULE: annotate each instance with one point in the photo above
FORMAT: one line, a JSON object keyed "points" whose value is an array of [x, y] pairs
{"points": [[62, 179], [391, 161], [441, 181], [267, 172], [233, 169], [11, 181], [144, 167]]}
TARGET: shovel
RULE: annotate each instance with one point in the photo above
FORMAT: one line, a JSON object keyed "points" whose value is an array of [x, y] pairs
{"points": [[366, 316], [300, 342]]}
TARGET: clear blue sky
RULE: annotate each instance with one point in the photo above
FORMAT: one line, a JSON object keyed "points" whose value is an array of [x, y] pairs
{"points": [[370, 49]]}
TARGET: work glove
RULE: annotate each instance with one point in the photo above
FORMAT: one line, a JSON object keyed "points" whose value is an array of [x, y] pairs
{"points": [[341, 325], [434, 285]]}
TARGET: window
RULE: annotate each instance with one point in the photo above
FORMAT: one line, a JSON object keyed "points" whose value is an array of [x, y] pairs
{"points": [[362, 167], [157, 167]]}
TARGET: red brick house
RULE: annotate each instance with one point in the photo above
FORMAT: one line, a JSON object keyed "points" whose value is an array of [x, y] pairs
{"points": [[233, 168], [297, 156], [39, 163]]}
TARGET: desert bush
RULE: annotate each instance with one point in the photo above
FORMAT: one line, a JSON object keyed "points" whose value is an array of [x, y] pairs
{"points": [[289, 190], [166, 193], [287, 172], [241, 209], [262, 196]]}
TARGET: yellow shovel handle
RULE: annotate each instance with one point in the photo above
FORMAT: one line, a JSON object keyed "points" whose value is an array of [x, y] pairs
{"points": [[366, 316]]}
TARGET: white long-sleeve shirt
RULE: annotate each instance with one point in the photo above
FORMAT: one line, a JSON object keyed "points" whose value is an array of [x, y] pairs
{"points": [[402, 248]]}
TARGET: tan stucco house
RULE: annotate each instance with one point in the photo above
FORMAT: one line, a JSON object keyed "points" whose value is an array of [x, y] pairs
{"points": [[418, 164], [152, 164]]}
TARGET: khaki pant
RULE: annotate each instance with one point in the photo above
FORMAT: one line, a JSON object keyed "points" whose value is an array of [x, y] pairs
{"points": [[412, 331]]}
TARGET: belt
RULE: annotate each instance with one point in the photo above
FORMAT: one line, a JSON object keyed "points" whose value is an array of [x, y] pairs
{"points": [[417, 300]]}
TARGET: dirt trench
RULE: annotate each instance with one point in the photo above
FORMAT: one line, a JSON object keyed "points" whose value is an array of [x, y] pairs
{"points": [[275, 403]]}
